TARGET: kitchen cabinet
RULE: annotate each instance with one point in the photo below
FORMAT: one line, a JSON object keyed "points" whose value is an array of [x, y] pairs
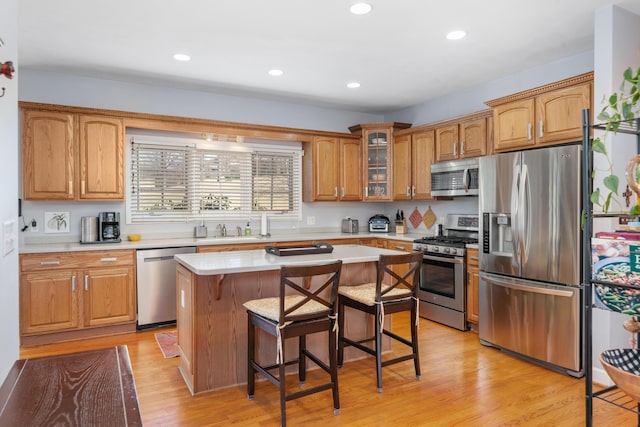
{"points": [[399, 245], [461, 140], [66, 291], [473, 281], [550, 114], [336, 169], [70, 156], [412, 158], [377, 140]]}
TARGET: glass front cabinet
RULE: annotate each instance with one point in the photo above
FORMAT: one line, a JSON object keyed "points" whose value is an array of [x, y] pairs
{"points": [[377, 142]]}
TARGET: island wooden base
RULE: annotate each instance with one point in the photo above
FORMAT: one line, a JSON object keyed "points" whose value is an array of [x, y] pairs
{"points": [[212, 324]]}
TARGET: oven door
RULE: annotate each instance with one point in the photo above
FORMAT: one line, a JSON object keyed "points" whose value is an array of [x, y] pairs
{"points": [[442, 281]]}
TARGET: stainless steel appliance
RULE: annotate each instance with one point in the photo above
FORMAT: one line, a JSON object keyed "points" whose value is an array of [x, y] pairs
{"points": [[442, 291], [350, 225], [455, 178], [156, 285], [109, 226], [89, 229], [530, 255], [379, 224]]}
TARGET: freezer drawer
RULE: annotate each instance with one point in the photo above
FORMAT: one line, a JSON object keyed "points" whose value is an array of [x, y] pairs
{"points": [[533, 319], [156, 285]]}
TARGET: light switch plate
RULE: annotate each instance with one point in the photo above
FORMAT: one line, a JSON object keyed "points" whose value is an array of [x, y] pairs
{"points": [[9, 236]]}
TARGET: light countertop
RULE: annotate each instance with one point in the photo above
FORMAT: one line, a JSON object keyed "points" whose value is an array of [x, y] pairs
{"points": [[258, 260], [205, 241]]}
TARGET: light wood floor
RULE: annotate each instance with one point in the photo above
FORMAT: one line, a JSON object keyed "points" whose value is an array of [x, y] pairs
{"points": [[463, 384]]}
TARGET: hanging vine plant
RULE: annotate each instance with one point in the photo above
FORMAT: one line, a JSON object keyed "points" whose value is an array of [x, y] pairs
{"points": [[622, 109]]}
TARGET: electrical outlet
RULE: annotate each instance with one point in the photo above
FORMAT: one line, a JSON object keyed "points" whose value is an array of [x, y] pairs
{"points": [[624, 220], [311, 220], [34, 225]]}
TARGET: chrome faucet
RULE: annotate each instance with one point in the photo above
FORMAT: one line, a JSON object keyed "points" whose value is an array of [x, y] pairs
{"points": [[239, 231], [223, 230]]}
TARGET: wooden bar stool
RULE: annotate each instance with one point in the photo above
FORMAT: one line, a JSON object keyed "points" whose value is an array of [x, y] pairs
{"points": [[306, 305], [395, 290]]}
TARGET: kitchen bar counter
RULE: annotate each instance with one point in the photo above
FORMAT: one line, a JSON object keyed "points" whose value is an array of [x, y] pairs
{"points": [[149, 243], [212, 322]]}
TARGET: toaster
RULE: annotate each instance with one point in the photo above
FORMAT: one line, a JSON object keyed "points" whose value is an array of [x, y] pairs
{"points": [[379, 224], [349, 225]]}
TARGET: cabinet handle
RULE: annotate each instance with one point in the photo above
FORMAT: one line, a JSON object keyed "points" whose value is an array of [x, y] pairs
{"points": [[461, 148], [455, 149], [540, 131], [343, 192], [73, 283], [413, 191], [49, 262], [529, 132], [82, 185], [400, 248], [335, 192], [86, 282], [70, 188], [113, 259], [366, 191], [407, 191], [474, 258]]}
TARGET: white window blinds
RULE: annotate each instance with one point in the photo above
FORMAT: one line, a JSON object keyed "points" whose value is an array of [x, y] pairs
{"points": [[170, 182]]}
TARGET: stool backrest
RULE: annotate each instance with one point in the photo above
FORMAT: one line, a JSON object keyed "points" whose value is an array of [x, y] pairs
{"points": [[398, 273], [299, 281]]}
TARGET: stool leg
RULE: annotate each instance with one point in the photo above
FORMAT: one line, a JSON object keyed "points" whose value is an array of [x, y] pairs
{"points": [[414, 339], [333, 367], [251, 374], [340, 333], [283, 389], [378, 344], [302, 360]]}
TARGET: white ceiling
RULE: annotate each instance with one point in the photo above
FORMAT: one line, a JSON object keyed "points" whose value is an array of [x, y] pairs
{"points": [[398, 52]]}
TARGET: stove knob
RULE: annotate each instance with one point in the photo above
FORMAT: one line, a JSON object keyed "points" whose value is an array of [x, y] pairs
{"points": [[435, 249], [447, 250], [454, 251]]}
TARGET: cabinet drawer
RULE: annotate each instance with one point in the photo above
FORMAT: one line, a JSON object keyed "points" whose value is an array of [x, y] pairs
{"points": [[472, 258], [62, 260], [399, 245]]}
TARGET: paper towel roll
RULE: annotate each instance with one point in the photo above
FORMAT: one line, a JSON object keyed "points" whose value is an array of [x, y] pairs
{"points": [[264, 227]]}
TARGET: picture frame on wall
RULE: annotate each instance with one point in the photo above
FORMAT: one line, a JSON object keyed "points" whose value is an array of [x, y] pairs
{"points": [[56, 222]]}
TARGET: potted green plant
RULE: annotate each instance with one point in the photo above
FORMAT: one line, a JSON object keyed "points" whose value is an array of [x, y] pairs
{"points": [[621, 109]]}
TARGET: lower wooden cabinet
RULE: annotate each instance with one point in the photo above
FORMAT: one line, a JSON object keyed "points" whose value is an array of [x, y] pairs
{"points": [[66, 291], [473, 278]]}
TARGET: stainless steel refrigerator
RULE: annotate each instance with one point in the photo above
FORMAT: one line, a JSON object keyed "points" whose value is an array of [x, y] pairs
{"points": [[530, 256]]}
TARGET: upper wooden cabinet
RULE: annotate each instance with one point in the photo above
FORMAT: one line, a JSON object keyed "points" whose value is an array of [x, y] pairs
{"points": [[377, 140], [335, 169], [462, 140], [72, 156], [550, 114], [412, 158]]}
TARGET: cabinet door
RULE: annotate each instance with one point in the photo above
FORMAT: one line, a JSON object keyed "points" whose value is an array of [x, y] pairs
{"points": [[473, 280], [350, 169], [447, 143], [513, 125], [559, 114], [473, 138], [402, 184], [185, 319], [326, 168], [378, 164], [422, 148], [48, 301], [109, 296], [101, 158], [48, 155]]}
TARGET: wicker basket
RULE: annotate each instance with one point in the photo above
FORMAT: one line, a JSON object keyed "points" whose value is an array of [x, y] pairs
{"points": [[623, 367]]}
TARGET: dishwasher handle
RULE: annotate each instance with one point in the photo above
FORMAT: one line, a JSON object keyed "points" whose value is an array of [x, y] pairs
{"points": [[158, 258]]}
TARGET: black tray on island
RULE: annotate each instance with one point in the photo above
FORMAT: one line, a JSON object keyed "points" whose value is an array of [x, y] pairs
{"points": [[318, 248]]}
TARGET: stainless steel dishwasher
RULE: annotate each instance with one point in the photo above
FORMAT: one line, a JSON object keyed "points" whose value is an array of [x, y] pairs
{"points": [[156, 285]]}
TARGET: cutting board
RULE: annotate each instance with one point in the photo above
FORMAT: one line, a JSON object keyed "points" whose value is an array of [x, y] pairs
{"points": [[429, 218]]}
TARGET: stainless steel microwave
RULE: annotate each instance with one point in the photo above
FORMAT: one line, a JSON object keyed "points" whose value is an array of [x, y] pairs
{"points": [[455, 178]]}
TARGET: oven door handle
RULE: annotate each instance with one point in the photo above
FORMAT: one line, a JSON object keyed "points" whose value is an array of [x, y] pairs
{"points": [[441, 259]]}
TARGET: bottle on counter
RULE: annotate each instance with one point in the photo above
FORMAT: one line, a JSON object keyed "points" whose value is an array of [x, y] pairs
{"points": [[247, 229]]}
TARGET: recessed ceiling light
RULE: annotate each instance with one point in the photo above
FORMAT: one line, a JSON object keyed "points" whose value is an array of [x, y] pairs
{"points": [[456, 35], [360, 8], [353, 85], [181, 57], [276, 72]]}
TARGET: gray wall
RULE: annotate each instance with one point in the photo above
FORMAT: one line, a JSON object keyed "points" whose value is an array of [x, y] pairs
{"points": [[9, 338]]}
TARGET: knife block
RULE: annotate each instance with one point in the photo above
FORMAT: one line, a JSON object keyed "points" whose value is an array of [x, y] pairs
{"points": [[401, 226]]}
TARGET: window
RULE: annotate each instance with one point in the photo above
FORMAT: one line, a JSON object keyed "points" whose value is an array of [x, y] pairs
{"points": [[173, 181]]}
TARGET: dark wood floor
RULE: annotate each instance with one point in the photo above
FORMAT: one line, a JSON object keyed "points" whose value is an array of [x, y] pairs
{"points": [[463, 384]]}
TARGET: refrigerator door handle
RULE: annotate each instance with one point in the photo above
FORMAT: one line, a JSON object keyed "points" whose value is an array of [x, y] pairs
{"points": [[523, 214], [528, 288], [465, 180], [515, 260]]}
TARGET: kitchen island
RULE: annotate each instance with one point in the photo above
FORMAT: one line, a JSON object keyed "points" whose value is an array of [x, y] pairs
{"points": [[212, 322]]}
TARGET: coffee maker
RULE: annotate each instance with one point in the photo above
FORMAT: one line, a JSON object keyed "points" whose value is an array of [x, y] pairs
{"points": [[109, 226]]}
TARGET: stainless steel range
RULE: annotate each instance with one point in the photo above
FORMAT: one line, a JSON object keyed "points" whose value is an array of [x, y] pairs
{"points": [[443, 276]]}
